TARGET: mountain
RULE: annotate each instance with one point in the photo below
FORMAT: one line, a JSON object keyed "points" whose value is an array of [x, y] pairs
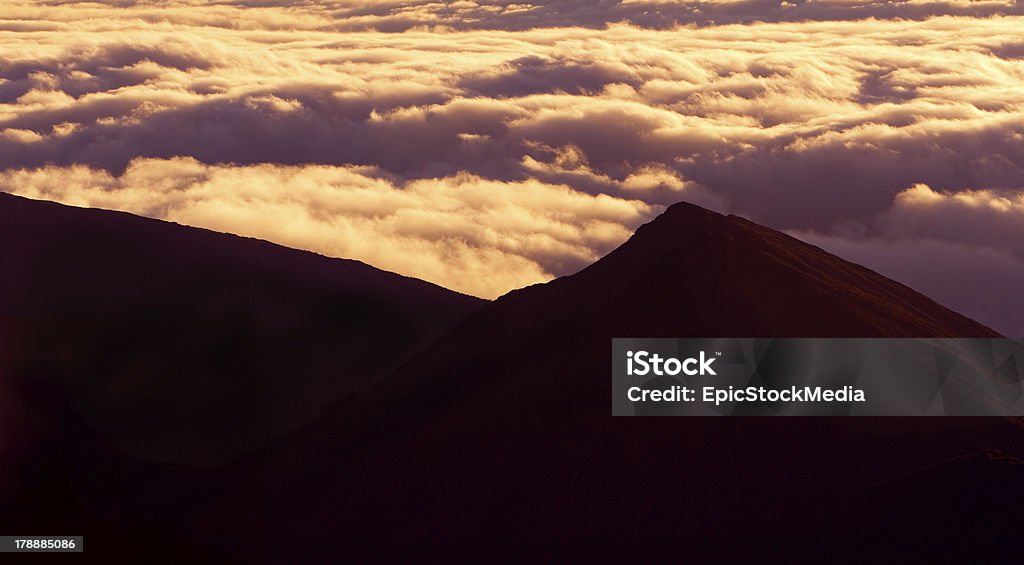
{"points": [[157, 384], [130, 347], [501, 433], [188, 346]]}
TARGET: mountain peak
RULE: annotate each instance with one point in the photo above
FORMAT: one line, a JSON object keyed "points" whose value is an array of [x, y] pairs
{"points": [[684, 214], [694, 272], [512, 406]]}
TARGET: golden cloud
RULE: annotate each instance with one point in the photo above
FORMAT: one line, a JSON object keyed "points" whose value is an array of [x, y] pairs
{"points": [[378, 130], [478, 236]]}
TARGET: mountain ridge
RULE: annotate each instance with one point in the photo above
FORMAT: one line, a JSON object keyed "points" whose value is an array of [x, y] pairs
{"points": [[509, 413], [138, 315], [498, 430]]}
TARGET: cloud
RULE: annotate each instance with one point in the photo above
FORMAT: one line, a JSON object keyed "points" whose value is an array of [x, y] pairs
{"points": [[475, 235], [980, 281], [965, 249], [399, 16], [537, 75], [396, 16], [984, 218], [811, 116]]}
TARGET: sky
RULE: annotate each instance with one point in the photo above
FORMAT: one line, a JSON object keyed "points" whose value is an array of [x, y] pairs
{"points": [[486, 146]]}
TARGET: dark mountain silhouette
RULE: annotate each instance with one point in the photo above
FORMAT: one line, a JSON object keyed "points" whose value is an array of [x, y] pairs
{"points": [[133, 350], [184, 345], [963, 495], [500, 435], [129, 346]]}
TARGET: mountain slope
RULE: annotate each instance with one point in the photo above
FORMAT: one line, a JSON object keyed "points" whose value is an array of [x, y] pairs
{"points": [[501, 431], [182, 345]]}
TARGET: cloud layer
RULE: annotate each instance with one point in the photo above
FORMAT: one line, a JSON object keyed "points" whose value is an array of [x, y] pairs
{"points": [[478, 235], [488, 145], [964, 249]]}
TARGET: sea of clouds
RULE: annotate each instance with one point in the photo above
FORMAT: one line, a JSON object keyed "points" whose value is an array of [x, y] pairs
{"points": [[485, 146]]}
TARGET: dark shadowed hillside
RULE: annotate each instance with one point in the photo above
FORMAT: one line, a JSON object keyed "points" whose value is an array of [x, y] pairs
{"points": [[127, 342], [184, 345], [501, 432]]}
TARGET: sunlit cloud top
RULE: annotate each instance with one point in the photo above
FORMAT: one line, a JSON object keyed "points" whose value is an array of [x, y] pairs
{"points": [[510, 15], [489, 145]]}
